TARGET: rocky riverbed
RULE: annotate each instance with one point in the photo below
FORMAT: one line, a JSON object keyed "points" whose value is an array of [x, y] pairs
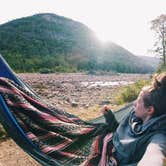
{"points": [[80, 93]]}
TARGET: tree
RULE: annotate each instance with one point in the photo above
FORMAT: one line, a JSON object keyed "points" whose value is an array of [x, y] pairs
{"points": [[159, 26]]}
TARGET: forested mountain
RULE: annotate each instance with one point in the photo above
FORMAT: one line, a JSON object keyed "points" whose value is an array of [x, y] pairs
{"points": [[55, 43]]}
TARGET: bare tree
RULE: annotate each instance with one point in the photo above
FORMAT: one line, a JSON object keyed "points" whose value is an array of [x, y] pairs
{"points": [[159, 26]]}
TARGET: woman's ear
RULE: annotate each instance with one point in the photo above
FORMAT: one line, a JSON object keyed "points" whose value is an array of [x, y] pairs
{"points": [[150, 110]]}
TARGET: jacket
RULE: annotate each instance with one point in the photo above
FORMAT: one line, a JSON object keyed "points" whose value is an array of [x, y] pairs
{"points": [[138, 143]]}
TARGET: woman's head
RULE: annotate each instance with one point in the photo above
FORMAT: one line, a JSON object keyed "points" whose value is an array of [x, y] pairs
{"points": [[153, 98]]}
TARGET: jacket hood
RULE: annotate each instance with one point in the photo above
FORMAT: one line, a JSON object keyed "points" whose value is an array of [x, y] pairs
{"points": [[156, 124]]}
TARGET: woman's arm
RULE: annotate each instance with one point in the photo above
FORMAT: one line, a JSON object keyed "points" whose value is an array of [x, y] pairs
{"points": [[155, 152], [109, 118]]}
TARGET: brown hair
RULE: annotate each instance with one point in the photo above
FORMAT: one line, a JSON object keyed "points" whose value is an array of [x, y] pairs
{"points": [[156, 95]]}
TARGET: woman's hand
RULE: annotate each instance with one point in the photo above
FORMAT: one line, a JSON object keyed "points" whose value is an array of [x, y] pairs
{"points": [[105, 110]]}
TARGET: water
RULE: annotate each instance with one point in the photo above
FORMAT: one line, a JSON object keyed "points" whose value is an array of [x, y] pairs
{"points": [[105, 83]]}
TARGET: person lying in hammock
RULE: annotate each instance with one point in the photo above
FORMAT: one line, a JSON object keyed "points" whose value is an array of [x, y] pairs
{"points": [[139, 139]]}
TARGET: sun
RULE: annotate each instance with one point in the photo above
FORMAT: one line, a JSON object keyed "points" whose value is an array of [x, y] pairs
{"points": [[103, 36]]}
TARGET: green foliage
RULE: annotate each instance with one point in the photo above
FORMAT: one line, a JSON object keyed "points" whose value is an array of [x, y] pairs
{"points": [[45, 71], [161, 68], [3, 134], [130, 92], [158, 25]]}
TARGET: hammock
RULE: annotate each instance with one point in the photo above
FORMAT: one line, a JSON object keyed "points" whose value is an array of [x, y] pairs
{"points": [[50, 135]]}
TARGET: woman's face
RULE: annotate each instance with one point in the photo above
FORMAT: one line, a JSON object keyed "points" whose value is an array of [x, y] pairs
{"points": [[140, 110]]}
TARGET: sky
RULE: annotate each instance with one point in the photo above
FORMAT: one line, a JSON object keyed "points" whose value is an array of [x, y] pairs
{"points": [[124, 22]]}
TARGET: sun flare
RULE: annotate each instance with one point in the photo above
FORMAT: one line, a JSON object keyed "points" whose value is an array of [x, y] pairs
{"points": [[103, 37]]}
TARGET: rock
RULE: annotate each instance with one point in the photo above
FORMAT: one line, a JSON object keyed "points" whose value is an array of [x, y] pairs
{"points": [[74, 103], [58, 84], [104, 102], [67, 99], [86, 106]]}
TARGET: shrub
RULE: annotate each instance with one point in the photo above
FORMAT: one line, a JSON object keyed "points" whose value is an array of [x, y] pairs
{"points": [[3, 134], [45, 71], [130, 92], [161, 68], [65, 69]]}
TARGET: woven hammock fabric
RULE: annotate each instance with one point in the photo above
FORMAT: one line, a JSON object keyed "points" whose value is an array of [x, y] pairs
{"points": [[58, 134]]}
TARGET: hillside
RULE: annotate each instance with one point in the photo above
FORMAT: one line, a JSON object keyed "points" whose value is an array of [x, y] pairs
{"points": [[151, 61], [48, 43]]}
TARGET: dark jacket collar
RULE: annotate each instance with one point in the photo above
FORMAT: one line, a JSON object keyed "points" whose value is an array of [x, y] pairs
{"points": [[155, 124]]}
